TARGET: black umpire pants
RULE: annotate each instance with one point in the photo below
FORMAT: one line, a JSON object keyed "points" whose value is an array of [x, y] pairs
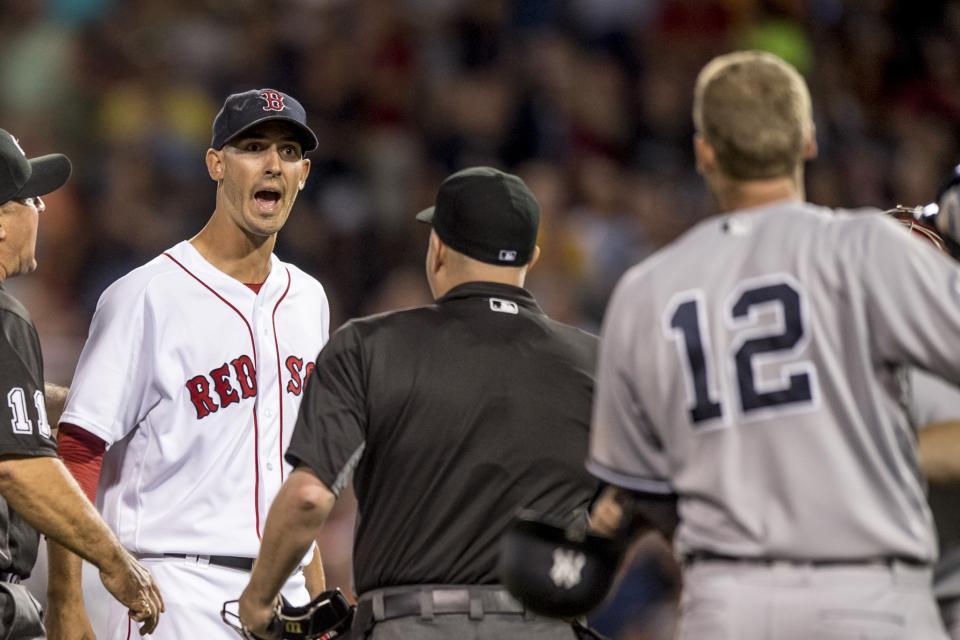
{"points": [[440, 612], [20, 615]]}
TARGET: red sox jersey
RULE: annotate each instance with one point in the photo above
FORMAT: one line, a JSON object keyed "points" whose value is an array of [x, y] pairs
{"points": [[753, 368], [194, 382]]}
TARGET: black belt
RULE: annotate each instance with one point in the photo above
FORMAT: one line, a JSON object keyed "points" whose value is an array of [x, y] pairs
{"points": [[889, 561], [231, 562], [427, 602], [12, 578]]}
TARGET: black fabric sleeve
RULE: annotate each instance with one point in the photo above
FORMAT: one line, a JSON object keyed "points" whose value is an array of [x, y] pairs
{"points": [[330, 432], [24, 429]]}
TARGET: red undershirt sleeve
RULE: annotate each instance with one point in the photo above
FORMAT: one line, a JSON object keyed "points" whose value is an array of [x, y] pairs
{"points": [[82, 454]]}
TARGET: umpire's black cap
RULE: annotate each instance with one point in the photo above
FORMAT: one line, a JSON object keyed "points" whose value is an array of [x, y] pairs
{"points": [[21, 177], [243, 111], [486, 214]]}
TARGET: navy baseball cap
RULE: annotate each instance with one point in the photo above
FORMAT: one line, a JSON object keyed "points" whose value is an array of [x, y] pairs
{"points": [[243, 111], [22, 177], [486, 214]]}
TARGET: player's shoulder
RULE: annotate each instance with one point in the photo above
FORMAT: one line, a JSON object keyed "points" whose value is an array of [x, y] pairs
{"points": [[860, 232], [650, 268], [137, 283], [863, 217], [301, 279]]}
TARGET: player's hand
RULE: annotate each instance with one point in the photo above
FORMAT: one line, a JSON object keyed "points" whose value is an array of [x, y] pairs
{"points": [[133, 586], [257, 617], [607, 515], [67, 621]]}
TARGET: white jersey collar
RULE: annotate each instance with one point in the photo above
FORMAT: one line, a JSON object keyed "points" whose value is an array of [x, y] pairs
{"points": [[188, 256]]}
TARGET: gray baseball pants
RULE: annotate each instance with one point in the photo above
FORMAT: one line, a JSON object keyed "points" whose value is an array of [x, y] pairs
{"points": [[742, 600]]}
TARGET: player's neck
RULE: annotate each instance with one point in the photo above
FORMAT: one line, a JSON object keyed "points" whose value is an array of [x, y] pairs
{"points": [[734, 195], [234, 252]]}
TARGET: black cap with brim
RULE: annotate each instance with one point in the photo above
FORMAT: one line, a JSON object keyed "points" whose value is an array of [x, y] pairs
{"points": [[486, 214], [241, 112], [48, 173], [21, 177]]}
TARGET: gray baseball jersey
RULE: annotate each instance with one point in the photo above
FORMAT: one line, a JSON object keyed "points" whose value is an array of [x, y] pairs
{"points": [[934, 400], [751, 368]]}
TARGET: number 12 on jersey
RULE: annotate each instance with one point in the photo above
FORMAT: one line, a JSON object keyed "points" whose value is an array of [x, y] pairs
{"points": [[751, 343]]}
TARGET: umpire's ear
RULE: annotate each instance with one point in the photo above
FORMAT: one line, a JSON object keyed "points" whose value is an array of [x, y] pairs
{"points": [[436, 253], [214, 161]]}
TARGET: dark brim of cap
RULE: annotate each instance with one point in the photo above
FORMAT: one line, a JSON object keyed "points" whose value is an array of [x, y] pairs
{"points": [[47, 174], [426, 215], [308, 138]]}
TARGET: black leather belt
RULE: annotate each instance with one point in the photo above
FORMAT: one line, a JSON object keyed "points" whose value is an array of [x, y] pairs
{"points": [[231, 562], [889, 561], [12, 578], [427, 602]]}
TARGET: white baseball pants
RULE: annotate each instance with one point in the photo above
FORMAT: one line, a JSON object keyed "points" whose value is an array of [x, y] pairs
{"points": [[193, 594]]}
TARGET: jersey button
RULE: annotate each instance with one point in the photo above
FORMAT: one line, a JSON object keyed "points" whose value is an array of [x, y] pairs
{"points": [[268, 413], [269, 466]]}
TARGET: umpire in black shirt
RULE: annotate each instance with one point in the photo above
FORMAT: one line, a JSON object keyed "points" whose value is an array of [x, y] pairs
{"points": [[37, 494], [450, 418]]}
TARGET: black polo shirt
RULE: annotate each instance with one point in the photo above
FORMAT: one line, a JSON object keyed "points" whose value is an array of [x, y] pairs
{"points": [[24, 430], [454, 416]]}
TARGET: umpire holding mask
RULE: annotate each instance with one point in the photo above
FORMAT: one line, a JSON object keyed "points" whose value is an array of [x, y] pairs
{"points": [[450, 418]]}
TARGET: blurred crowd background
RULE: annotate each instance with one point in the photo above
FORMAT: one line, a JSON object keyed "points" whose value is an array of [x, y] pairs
{"points": [[587, 100]]}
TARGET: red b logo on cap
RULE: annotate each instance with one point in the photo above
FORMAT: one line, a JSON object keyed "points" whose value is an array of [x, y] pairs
{"points": [[273, 99]]}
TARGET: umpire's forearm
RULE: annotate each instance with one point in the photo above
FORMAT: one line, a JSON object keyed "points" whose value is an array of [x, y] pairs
{"points": [[44, 493], [64, 575], [297, 513]]}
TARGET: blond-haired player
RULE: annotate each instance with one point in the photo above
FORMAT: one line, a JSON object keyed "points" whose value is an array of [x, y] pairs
{"points": [[750, 370]]}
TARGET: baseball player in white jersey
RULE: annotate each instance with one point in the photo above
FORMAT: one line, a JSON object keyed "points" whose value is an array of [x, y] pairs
{"points": [[751, 370], [192, 376]]}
